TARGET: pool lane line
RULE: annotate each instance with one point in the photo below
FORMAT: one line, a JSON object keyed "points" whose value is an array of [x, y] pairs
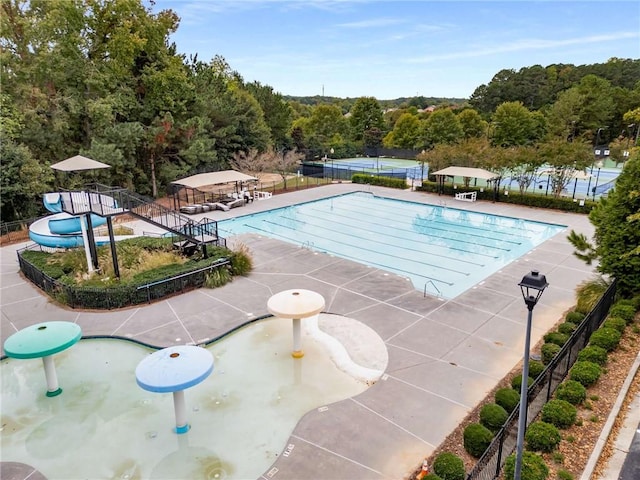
{"points": [[381, 243], [360, 249], [413, 232]]}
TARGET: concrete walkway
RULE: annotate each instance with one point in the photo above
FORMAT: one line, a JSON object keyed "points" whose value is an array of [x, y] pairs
{"points": [[444, 355]]}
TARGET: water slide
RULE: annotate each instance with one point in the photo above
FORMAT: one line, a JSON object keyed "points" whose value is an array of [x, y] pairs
{"points": [[61, 230]]}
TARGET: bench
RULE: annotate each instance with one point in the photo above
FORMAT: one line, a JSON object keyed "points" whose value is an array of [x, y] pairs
{"points": [[467, 196]]}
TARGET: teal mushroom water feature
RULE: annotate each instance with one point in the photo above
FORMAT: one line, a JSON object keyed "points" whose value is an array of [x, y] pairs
{"points": [[43, 340]]}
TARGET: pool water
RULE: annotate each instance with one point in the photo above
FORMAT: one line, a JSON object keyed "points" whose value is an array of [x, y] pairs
{"points": [[442, 250], [104, 426]]}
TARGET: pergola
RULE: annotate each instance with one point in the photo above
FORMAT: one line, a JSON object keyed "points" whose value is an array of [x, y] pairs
{"points": [[195, 183], [465, 172]]}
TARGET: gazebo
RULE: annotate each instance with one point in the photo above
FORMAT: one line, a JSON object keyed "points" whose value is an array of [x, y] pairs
{"points": [[468, 172], [194, 185]]}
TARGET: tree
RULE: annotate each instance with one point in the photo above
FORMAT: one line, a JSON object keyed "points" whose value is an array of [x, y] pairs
{"points": [[407, 133], [513, 125], [443, 126], [565, 160], [616, 219], [366, 114], [472, 124], [277, 112]]}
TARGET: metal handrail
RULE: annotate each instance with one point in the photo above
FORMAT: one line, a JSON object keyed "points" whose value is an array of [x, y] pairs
{"points": [[434, 286]]}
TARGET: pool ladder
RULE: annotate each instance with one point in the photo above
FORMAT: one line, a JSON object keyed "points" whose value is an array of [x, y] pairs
{"points": [[434, 286], [308, 245]]}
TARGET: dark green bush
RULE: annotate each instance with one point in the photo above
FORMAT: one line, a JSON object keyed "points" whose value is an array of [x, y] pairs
{"points": [[516, 382], [607, 338], [533, 467], [556, 337], [627, 312], [449, 466], [564, 475], [616, 323], [548, 351], [431, 476], [536, 367], [587, 373], [575, 317], [476, 439], [507, 398], [382, 181], [542, 437], [636, 302], [493, 416], [567, 328], [593, 353], [571, 391], [559, 413]]}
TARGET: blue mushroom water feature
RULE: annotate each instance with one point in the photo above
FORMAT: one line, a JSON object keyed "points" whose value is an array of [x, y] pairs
{"points": [[174, 369]]}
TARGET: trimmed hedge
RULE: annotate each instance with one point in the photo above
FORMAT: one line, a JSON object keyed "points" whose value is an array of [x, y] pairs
{"points": [[493, 416], [542, 437], [575, 317], [533, 467], [536, 367], [390, 182], [507, 398], [556, 337], [476, 439], [567, 328], [516, 382], [548, 351], [593, 353], [616, 323], [559, 413], [607, 338], [621, 310], [449, 467], [587, 373], [571, 391]]}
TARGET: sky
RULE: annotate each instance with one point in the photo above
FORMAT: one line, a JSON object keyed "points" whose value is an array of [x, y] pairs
{"points": [[393, 49]]}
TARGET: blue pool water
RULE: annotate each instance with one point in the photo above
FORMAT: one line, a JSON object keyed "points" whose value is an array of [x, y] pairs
{"points": [[442, 249]]}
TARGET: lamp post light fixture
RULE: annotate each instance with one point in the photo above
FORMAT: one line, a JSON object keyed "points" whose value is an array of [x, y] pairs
{"points": [[531, 286]]}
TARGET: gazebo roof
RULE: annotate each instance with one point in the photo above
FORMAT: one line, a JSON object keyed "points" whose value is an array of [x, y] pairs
{"points": [[467, 172], [214, 178], [78, 163]]}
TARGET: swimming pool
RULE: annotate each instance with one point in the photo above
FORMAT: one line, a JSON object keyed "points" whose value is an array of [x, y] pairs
{"points": [[441, 249]]}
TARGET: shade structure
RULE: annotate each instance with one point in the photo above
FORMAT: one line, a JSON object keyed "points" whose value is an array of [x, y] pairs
{"points": [[467, 172], [78, 163], [214, 178]]}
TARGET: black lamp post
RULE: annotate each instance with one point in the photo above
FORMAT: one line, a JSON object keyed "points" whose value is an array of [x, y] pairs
{"points": [[532, 286]]}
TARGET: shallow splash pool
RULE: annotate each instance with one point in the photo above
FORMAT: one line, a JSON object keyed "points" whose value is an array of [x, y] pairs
{"points": [[105, 426], [440, 249]]}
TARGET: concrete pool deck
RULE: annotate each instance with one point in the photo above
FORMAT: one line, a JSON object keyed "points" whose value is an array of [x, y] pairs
{"points": [[444, 355]]}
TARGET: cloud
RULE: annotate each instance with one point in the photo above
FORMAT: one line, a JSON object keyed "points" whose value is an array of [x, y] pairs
{"points": [[524, 45]]}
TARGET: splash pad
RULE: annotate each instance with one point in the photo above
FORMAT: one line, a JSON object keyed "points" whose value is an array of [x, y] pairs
{"points": [[105, 426]]}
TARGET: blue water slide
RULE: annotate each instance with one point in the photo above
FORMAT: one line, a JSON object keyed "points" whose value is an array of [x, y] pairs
{"points": [[60, 230]]}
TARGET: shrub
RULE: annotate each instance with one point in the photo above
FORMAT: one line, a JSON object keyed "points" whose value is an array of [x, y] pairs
{"points": [[556, 337], [567, 328], [476, 439], [548, 351], [559, 413], [542, 437], [493, 416], [607, 338], [536, 367], [617, 323], [533, 467], [564, 475], [516, 382], [449, 467], [241, 262], [217, 277], [574, 317], [507, 398], [593, 353], [636, 302], [431, 476], [573, 392], [627, 312], [587, 373]]}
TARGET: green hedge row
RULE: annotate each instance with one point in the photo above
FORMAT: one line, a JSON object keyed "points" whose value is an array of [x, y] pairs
{"points": [[390, 182], [514, 197]]}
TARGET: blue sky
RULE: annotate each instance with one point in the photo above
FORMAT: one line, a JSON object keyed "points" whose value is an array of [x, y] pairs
{"points": [[391, 49]]}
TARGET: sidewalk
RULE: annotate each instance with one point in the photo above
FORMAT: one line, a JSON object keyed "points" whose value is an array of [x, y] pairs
{"points": [[444, 355]]}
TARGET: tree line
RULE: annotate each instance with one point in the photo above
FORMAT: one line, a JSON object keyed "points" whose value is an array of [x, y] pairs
{"points": [[101, 78]]}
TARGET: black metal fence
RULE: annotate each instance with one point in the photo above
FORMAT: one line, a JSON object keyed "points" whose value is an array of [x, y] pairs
{"points": [[540, 392], [336, 170], [15, 231], [115, 297]]}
